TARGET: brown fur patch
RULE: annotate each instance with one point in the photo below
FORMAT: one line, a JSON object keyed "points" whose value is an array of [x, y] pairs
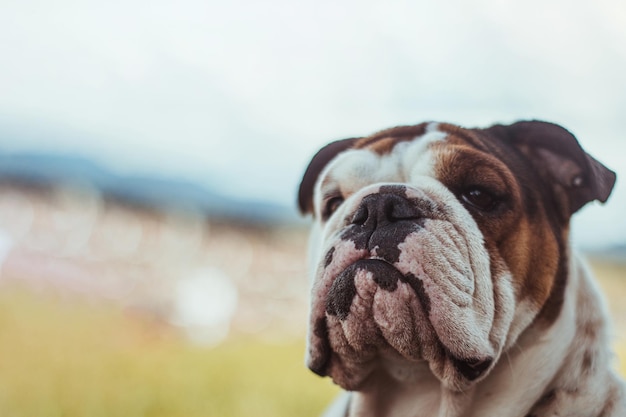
{"points": [[553, 304], [383, 146], [523, 238], [459, 135]]}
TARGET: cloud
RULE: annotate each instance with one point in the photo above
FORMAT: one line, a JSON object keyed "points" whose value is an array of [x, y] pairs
{"points": [[242, 93]]}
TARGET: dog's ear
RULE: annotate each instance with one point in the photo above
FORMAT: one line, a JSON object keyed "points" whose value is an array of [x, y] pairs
{"points": [[317, 164], [558, 158]]}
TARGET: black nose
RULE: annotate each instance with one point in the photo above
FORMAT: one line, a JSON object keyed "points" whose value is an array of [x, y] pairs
{"points": [[377, 210], [383, 220]]}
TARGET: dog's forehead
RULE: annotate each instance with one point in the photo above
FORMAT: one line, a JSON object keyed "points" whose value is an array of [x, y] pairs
{"points": [[389, 157]]}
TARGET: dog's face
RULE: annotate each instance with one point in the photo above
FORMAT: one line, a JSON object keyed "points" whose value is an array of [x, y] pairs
{"points": [[435, 246]]}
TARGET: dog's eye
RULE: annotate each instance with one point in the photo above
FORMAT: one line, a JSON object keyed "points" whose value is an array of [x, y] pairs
{"points": [[480, 198], [332, 204]]}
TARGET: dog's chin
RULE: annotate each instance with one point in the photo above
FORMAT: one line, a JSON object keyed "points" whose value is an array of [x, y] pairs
{"points": [[373, 313]]}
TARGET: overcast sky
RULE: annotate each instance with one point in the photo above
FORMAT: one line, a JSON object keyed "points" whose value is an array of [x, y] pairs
{"points": [[242, 93]]}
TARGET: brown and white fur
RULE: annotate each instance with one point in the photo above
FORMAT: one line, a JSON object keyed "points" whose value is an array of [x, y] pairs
{"points": [[443, 283]]}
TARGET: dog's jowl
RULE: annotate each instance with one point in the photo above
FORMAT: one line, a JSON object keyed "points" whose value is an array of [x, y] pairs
{"points": [[442, 281]]}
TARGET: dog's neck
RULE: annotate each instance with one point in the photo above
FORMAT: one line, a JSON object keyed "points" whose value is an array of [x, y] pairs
{"points": [[547, 372]]}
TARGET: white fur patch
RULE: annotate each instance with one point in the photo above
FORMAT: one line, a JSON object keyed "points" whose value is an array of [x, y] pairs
{"points": [[355, 169]]}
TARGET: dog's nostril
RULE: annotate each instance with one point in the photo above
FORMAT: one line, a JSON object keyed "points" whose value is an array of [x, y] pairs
{"points": [[361, 215], [479, 363]]}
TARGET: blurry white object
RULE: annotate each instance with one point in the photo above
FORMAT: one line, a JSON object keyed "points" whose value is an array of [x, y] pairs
{"points": [[204, 304], [6, 243]]}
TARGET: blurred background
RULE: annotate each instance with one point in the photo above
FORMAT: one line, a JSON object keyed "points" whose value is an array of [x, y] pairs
{"points": [[152, 262]]}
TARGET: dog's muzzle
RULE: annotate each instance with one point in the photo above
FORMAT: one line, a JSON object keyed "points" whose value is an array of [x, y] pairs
{"points": [[379, 224]]}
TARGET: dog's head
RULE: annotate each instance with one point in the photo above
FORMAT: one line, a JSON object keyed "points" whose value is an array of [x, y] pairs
{"points": [[435, 246]]}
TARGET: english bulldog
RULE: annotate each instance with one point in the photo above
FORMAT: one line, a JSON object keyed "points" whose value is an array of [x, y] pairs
{"points": [[443, 283]]}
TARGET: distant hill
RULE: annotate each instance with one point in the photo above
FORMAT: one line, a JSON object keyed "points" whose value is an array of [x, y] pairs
{"points": [[148, 191]]}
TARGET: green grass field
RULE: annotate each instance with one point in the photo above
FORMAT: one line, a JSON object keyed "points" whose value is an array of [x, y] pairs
{"points": [[60, 358], [69, 358]]}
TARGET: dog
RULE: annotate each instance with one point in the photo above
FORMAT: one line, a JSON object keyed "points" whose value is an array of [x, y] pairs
{"points": [[443, 283]]}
